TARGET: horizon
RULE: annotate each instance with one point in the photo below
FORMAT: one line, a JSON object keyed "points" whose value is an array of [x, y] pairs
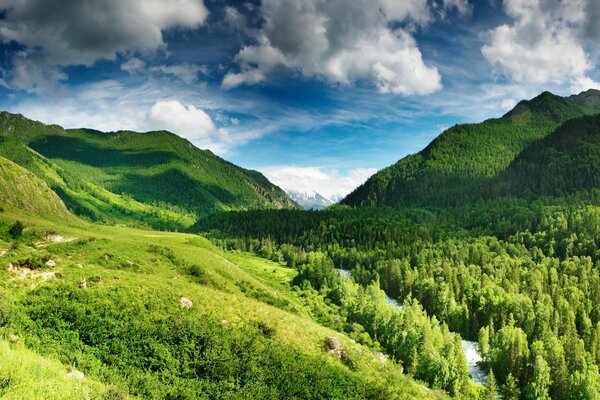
{"points": [[313, 100]]}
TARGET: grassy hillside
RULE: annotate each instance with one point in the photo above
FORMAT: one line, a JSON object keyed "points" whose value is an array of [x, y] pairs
{"points": [[462, 161], [89, 200], [115, 307], [156, 169], [21, 189]]}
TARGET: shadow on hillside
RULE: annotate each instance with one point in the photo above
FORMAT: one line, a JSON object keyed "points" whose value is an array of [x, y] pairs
{"points": [[175, 188], [84, 152]]}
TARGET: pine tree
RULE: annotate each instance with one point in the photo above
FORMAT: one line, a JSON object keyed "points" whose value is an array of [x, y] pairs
{"points": [[510, 389], [491, 387]]}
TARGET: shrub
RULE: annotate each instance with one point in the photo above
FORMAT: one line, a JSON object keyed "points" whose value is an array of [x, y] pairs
{"points": [[16, 229]]}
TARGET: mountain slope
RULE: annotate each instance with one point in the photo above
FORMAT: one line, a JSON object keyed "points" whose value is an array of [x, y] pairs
{"points": [[21, 189], [154, 168], [167, 315], [463, 160], [566, 161]]}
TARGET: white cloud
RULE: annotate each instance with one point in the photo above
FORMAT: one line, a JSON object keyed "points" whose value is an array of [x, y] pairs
{"points": [[186, 121], [329, 183], [188, 73], [59, 33], [583, 83], [342, 42], [543, 44], [133, 65]]}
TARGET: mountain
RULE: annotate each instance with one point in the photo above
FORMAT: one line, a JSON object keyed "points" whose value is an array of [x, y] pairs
{"points": [[461, 163], [157, 176], [310, 200], [566, 161]]}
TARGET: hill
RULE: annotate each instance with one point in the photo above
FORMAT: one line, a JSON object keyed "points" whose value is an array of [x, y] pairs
{"points": [[168, 315], [156, 169], [564, 162], [21, 189], [461, 162]]}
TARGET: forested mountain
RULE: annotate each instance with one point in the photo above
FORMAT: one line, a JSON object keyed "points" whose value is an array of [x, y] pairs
{"points": [[149, 172], [566, 161], [463, 161]]}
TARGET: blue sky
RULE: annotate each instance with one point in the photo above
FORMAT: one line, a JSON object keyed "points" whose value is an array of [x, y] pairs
{"points": [[317, 94]]}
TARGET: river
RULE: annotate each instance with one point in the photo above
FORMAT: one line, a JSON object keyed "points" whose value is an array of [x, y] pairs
{"points": [[478, 374]]}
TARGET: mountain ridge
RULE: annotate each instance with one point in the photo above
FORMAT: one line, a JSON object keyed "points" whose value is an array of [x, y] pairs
{"points": [[463, 160], [154, 169]]}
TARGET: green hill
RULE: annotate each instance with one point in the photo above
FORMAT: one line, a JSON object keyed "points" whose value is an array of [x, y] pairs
{"points": [[158, 170], [21, 189], [566, 161], [462, 161], [170, 316]]}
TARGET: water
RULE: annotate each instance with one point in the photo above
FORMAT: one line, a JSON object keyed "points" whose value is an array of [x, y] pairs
{"points": [[347, 273], [478, 375]]}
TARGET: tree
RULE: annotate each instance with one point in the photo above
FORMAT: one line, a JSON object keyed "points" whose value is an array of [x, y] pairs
{"points": [[538, 388], [491, 388], [510, 389]]}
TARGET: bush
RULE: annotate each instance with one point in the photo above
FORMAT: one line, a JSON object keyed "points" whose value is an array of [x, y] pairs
{"points": [[16, 229]]}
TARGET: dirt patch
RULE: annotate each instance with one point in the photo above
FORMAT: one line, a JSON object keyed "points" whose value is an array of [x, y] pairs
{"points": [[23, 273], [55, 239]]}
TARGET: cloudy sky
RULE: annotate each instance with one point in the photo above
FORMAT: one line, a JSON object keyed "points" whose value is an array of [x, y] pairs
{"points": [[317, 94]]}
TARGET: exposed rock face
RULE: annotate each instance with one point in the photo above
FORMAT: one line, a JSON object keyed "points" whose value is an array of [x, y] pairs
{"points": [[184, 302], [74, 374], [334, 346]]}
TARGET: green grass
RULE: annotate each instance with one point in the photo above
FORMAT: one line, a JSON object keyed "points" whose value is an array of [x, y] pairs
{"points": [[26, 375], [127, 330]]}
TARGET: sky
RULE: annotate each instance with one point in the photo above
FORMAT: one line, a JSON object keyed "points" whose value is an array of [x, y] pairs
{"points": [[316, 94]]}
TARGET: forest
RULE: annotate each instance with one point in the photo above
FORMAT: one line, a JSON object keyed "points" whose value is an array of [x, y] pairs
{"points": [[520, 277]]}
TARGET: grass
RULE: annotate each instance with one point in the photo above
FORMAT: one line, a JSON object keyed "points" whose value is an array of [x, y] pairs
{"points": [[26, 375], [247, 334]]}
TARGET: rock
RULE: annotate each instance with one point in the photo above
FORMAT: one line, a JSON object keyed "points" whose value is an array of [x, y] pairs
{"points": [[83, 283], [224, 322], [334, 346], [184, 302], [14, 339], [381, 356], [74, 374], [51, 263], [79, 265]]}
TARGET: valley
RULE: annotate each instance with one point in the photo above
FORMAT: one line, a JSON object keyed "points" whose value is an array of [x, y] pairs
{"points": [[102, 296]]}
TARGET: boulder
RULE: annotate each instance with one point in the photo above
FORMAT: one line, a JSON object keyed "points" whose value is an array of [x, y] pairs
{"points": [[184, 302]]}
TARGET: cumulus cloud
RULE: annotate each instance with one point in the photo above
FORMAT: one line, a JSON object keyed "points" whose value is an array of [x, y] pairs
{"points": [[342, 42], [186, 121], [58, 33], [544, 42], [329, 183]]}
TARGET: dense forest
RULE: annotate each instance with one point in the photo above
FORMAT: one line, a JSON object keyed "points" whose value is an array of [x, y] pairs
{"points": [[513, 263]]}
